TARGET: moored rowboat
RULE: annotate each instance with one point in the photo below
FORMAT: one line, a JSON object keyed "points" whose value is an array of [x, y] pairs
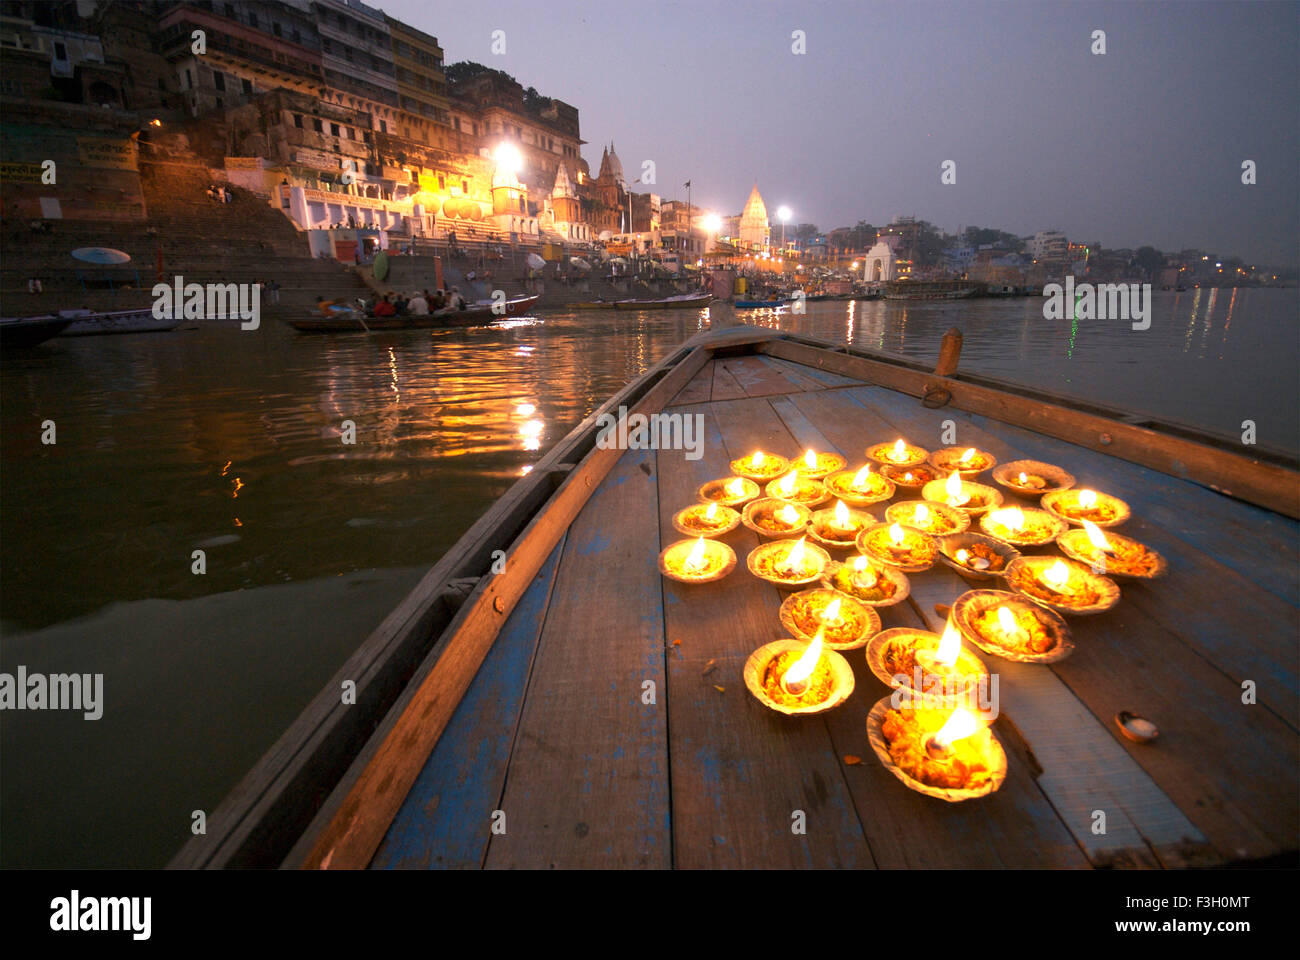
{"points": [[683, 301], [482, 312], [30, 331]]}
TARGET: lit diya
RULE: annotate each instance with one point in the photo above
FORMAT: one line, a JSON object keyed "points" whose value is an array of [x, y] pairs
{"points": [[760, 466], [772, 518], [948, 754], [899, 546], [933, 667], [875, 584], [971, 498], [1032, 478], [975, 555], [788, 563], [797, 677], [706, 520], [844, 623], [805, 490], [1064, 585], [1077, 506], [817, 465], [898, 454], [911, 478], [928, 516], [860, 488], [1023, 527], [697, 561], [1007, 625], [1110, 553], [729, 491], [968, 461], [838, 526]]}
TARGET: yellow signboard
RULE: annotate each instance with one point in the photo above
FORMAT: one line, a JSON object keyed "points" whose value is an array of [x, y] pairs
{"points": [[18, 172], [95, 152]]}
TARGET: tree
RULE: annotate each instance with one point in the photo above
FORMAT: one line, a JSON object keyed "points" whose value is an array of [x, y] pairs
{"points": [[1149, 259]]}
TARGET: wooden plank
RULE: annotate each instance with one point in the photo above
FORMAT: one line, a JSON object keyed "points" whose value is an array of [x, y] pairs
{"points": [[443, 823], [699, 390], [725, 386], [739, 771], [1240, 476], [352, 822], [810, 377], [756, 379], [587, 782], [1179, 601]]}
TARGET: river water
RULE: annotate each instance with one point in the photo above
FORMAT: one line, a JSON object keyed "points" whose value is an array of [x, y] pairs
{"points": [[232, 442]]}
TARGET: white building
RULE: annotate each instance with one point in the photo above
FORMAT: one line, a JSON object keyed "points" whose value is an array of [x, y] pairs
{"points": [[754, 227], [1048, 245]]}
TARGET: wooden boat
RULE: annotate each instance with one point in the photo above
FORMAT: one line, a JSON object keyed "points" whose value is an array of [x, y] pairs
{"points": [[86, 323], [592, 305], [685, 301], [30, 331], [479, 313], [919, 292], [756, 304], [520, 693]]}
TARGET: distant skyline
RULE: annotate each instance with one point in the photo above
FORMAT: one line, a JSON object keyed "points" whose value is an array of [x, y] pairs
{"points": [[1142, 145]]}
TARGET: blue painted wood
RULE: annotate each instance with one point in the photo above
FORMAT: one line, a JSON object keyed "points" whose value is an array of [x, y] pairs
{"points": [[443, 824]]}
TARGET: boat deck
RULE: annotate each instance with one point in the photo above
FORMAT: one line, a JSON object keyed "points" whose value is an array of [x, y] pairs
{"points": [[554, 745]]}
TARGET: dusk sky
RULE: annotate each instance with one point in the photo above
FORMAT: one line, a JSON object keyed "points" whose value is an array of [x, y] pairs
{"points": [[1141, 145]]}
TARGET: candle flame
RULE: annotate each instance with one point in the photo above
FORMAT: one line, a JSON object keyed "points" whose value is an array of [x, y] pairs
{"points": [[1007, 620], [810, 459], [862, 479], [961, 724], [900, 450], [955, 495], [711, 513], [736, 488], [861, 568], [1013, 518], [832, 612], [786, 485], [921, 517], [908, 476], [1087, 499], [1056, 575], [962, 556], [1096, 536], [949, 646], [794, 559], [1024, 479], [694, 561], [896, 534], [841, 515], [966, 457], [788, 515], [757, 459], [803, 668]]}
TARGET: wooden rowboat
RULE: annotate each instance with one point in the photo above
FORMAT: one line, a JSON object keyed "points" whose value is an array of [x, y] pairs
{"points": [[576, 709], [684, 301], [474, 315], [30, 331]]}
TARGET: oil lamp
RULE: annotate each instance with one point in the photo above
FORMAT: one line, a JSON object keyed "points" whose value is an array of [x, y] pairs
{"points": [[975, 555], [1032, 478], [928, 665], [865, 581], [1027, 526], [839, 527], [798, 677], [1076, 506], [903, 547], [788, 563], [968, 461], [898, 453], [946, 753], [771, 518], [1008, 625], [729, 491], [928, 516], [859, 488], [817, 465], [706, 520], [1064, 585], [846, 623], [805, 490], [1111, 553], [760, 466], [697, 561]]}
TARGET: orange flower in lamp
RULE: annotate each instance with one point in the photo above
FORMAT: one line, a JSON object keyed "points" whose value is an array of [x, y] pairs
{"points": [[960, 725], [795, 681], [956, 496]]}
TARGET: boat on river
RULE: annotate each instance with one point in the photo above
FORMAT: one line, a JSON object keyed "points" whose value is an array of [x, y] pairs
{"points": [[513, 680], [683, 301], [30, 331], [480, 313], [756, 304], [88, 323]]}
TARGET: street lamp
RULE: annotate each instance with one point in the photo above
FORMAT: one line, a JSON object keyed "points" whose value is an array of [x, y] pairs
{"points": [[783, 214]]}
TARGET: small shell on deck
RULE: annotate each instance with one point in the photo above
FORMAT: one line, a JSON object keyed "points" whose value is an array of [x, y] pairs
{"points": [[1107, 589], [948, 459], [949, 545], [765, 503], [871, 625], [1052, 503], [1006, 474], [974, 602], [1135, 728], [756, 668], [876, 736]]}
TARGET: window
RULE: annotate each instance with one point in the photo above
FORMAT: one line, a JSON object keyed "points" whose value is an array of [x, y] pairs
{"points": [[247, 86], [347, 54], [442, 182], [218, 79], [162, 84], [464, 186], [334, 129], [252, 20], [383, 126], [230, 10], [325, 45], [316, 125], [297, 120], [60, 51], [189, 79], [275, 28], [352, 134], [219, 103], [456, 121]]}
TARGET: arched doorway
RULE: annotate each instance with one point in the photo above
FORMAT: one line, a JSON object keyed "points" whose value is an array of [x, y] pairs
{"points": [[876, 268]]}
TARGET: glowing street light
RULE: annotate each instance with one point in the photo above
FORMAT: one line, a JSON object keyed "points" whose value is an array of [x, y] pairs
{"points": [[509, 160], [712, 223], [783, 214]]}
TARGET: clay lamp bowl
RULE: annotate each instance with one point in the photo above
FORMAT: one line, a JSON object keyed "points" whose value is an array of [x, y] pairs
{"points": [[972, 499], [1111, 554], [706, 520], [798, 677], [1135, 728], [1022, 526], [1064, 585], [975, 555], [1009, 626], [967, 461], [774, 519], [929, 516], [816, 466], [937, 668], [911, 478], [788, 563], [729, 491], [1032, 478], [837, 527], [845, 623], [697, 561], [948, 754], [861, 487], [760, 467], [867, 581], [797, 489], [907, 548], [1076, 506], [897, 453]]}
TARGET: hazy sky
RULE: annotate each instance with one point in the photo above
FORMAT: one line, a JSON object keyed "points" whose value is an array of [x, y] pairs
{"points": [[1142, 145]]}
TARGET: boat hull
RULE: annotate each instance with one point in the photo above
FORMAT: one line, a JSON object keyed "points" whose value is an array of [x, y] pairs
{"points": [[121, 321], [686, 303], [478, 315], [30, 331]]}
